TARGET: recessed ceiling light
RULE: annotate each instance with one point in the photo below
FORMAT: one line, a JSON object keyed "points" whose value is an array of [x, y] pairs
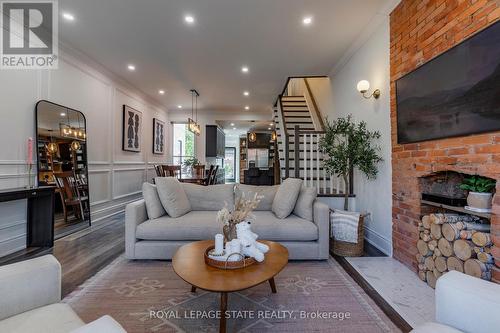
{"points": [[246, 93], [234, 128], [189, 19], [68, 16], [247, 107], [269, 128], [179, 106], [131, 67], [232, 124], [63, 114], [244, 69], [307, 20], [161, 92], [271, 124]]}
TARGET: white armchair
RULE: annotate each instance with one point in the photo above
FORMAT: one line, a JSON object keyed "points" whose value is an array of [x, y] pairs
{"points": [[464, 304], [30, 295]]}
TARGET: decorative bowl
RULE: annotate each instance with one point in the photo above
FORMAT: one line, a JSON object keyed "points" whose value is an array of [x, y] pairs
{"points": [[225, 264]]}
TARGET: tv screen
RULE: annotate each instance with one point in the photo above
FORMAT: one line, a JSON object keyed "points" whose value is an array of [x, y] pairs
{"points": [[455, 94]]}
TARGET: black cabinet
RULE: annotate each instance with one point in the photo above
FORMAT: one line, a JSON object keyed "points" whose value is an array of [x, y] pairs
{"points": [[215, 141]]}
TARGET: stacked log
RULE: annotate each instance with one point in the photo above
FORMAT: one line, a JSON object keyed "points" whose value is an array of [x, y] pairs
{"points": [[453, 242]]}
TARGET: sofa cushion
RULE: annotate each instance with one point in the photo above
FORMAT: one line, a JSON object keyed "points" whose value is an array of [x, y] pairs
{"points": [[267, 192], [209, 198], [152, 200], [198, 225], [304, 205], [286, 197], [54, 318], [195, 225], [104, 324], [172, 196]]}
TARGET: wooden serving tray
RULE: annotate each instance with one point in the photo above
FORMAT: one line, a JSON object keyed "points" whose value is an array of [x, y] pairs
{"points": [[247, 261]]}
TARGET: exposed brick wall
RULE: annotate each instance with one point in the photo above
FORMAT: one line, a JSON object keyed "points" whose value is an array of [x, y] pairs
{"points": [[421, 30]]}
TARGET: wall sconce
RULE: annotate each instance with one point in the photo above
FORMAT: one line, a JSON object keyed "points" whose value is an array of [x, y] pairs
{"points": [[363, 87]]}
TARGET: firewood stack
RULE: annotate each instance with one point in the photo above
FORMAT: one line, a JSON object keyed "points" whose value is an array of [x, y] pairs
{"points": [[453, 242]]}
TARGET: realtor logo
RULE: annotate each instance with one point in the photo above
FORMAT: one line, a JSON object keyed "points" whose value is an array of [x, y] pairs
{"points": [[29, 38]]}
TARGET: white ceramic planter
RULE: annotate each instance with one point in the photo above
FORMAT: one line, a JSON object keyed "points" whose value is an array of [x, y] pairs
{"points": [[479, 200]]}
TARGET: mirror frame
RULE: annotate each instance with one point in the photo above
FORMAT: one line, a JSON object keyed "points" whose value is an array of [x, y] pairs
{"points": [[86, 150]]}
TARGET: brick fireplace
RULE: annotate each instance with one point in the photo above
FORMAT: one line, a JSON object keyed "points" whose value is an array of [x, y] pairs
{"points": [[419, 31]]}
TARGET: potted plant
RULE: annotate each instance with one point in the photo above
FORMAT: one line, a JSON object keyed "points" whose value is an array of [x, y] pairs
{"points": [[480, 192], [190, 163], [347, 146]]}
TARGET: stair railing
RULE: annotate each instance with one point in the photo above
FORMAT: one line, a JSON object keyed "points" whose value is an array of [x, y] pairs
{"points": [[314, 174], [284, 135]]}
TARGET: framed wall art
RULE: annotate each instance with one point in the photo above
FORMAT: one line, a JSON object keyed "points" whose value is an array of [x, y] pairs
{"points": [[158, 136], [132, 129]]}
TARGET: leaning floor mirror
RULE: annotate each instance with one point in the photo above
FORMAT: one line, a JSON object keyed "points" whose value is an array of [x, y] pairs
{"points": [[62, 163]]}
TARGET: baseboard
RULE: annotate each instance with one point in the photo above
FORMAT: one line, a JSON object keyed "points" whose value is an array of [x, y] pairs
{"points": [[378, 241], [112, 208]]}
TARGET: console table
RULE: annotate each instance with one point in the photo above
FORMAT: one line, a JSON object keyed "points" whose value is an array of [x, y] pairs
{"points": [[40, 218]]}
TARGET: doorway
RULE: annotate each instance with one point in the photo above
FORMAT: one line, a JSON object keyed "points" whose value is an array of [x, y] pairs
{"points": [[230, 164]]}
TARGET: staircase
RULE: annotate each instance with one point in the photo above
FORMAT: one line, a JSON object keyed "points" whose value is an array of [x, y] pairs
{"points": [[299, 127]]}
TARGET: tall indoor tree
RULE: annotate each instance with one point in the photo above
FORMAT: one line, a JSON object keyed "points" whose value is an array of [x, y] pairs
{"points": [[347, 146]]}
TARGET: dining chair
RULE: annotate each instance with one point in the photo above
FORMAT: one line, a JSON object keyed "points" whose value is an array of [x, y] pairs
{"points": [[71, 194], [172, 171], [159, 170], [199, 171], [206, 180], [213, 177]]}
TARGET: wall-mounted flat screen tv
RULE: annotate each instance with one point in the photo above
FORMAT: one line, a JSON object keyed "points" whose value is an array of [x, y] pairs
{"points": [[455, 94]]}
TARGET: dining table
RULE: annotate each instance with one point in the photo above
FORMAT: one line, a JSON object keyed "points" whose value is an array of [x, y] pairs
{"points": [[193, 179]]}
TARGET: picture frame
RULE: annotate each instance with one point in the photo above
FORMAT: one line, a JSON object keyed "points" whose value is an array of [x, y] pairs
{"points": [[131, 129], [158, 136]]}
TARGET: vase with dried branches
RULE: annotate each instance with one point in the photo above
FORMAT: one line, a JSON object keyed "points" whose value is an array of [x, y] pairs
{"points": [[243, 208]]}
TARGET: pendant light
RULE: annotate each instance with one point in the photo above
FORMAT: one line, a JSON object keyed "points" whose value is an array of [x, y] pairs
{"points": [[252, 137], [52, 147], [193, 125], [75, 145], [273, 136]]}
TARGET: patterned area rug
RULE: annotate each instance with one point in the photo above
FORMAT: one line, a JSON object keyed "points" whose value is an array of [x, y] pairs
{"points": [[147, 296]]}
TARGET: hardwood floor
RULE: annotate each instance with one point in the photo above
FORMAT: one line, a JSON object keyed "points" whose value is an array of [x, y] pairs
{"points": [[84, 253]]}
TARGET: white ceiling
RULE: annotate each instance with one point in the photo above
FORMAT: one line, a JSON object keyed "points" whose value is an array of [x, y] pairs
{"points": [[266, 35]]}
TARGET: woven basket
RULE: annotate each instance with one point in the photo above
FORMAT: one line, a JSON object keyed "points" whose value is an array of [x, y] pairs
{"points": [[345, 249]]}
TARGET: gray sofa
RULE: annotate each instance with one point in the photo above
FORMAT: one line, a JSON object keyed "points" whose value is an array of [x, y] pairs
{"points": [[159, 238]]}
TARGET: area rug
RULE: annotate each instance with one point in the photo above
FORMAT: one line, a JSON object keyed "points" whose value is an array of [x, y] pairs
{"points": [[147, 296]]}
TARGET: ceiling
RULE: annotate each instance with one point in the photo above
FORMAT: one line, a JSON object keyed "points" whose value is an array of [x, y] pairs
{"points": [[241, 127], [268, 36]]}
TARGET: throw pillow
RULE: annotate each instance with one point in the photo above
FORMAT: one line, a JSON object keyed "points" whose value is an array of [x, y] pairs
{"points": [[345, 225], [286, 197], [267, 192], [214, 197], [304, 206], [152, 200], [172, 196]]}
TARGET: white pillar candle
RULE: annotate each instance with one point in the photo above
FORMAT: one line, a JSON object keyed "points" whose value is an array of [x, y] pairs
{"points": [[219, 244], [236, 246]]}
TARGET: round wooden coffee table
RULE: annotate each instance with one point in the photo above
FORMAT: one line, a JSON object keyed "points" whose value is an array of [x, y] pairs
{"points": [[189, 265]]}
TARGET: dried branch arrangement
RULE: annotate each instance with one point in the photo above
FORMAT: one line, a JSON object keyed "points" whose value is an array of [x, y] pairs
{"points": [[243, 208]]}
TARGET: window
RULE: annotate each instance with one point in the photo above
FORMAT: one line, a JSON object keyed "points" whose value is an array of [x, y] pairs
{"points": [[230, 164], [183, 144]]}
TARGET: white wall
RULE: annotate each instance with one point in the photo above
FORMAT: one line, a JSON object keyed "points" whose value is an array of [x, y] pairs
{"points": [[115, 176], [370, 62]]}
